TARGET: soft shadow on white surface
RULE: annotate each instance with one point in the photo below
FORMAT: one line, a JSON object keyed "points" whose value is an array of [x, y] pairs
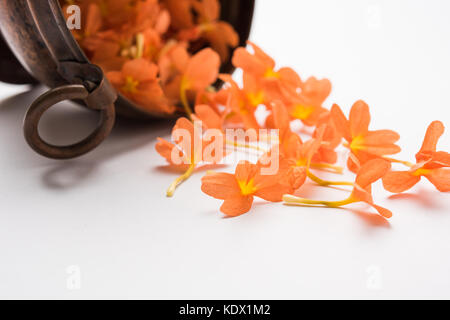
{"points": [[106, 213], [67, 123]]}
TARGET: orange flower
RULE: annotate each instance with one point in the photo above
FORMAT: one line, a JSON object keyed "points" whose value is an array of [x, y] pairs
{"points": [[208, 117], [173, 60], [262, 67], [187, 155], [217, 100], [364, 145], [138, 81], [369, 173], [430, 164], [282, 123], [188, 150], [238, 190], [219, 34], [180, 13], [307, 105], [201, 71], [242, 103], [331, 140]]}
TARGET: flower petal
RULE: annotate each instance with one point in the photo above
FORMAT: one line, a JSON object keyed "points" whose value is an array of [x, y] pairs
{"points": [[221, 186], [372, 171], [237, 206], [381, 137], [341, 122], [203, 69], [208, 116], [383, 211], [399, 181], [245, 171], [440, 178], [434, 132], [359, 119]]}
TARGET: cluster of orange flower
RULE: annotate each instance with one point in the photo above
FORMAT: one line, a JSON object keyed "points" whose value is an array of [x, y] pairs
{"points": [[145, 46], [288, 98]]}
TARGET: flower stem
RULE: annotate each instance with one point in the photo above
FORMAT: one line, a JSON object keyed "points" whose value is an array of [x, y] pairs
{"points": [[293, 200], [244, 146], [184, 99], [326, 183], [180, 180], [406, 163], [325, 166]]}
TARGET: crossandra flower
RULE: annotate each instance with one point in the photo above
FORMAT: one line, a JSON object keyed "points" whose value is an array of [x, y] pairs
{"points": [[181, 13], [368, 174], [181, 73], [364, 145], [430, 164], [307, 105], [282, 123], [209, 117], [219, 34], [241, 104], [189, 149], [138, 81], [201, 71], [262, 67], [239, 189], [330, 141]]}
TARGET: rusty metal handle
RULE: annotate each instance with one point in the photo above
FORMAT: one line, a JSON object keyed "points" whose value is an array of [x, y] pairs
{"points": [[49, 99]]}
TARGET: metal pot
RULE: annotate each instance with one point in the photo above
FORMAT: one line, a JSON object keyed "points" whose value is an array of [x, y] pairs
{"points": [[40, 48]]}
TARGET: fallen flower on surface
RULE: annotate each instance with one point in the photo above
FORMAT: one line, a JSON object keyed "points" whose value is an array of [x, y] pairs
{"points": [[364, 145], [239, 189], [369, 173], [189, 150], [430, 164]]}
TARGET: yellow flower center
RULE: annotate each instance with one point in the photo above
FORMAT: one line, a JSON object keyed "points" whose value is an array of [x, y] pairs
{"points": [[247, 187], [256, 98], [270, 73], [206, 27], [357, 143], [130, 85], [301, 163], [302, 112], [242, 108], [421, 172]]}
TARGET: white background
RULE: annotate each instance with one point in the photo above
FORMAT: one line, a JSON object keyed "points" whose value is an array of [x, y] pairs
{"points": [[104, 216]]}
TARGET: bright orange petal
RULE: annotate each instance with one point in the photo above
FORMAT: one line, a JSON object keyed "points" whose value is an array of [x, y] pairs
{"points": [[245, 171], [383, 211], [440, 178], [221, 186], [203, 69], [372, 171], [237, 206], [434, 132], [208, 116], [140, 70], [399, 181], [341, 122], [359, 119], [382, 149], [381, 137]]}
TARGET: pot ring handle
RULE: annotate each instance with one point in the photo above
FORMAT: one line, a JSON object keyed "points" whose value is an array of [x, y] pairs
{"points": [[49, 99]]}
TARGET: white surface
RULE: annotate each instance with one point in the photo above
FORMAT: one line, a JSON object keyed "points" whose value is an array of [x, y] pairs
{"points": [[106, 213]]}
